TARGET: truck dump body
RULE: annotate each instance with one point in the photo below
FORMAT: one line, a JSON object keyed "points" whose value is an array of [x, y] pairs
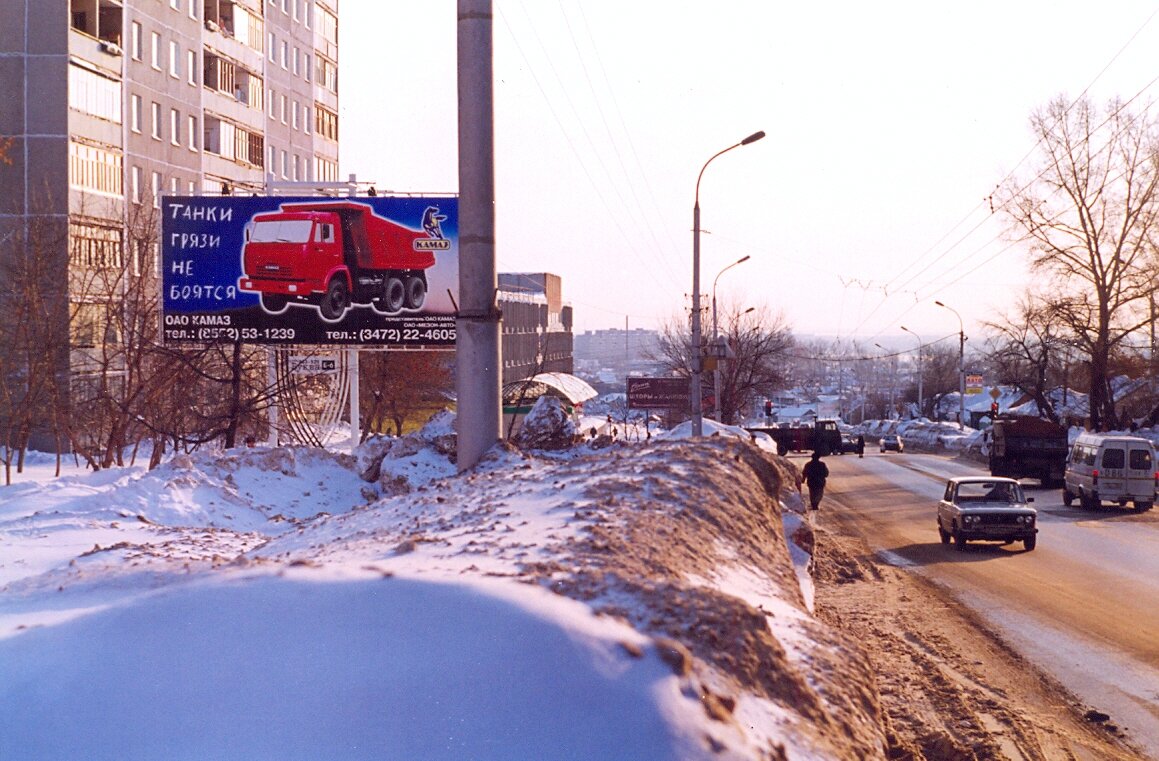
{"points": [[372, 242]]}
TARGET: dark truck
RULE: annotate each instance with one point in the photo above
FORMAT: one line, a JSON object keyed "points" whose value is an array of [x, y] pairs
{"points": [[1028, 447], [823, 436]]}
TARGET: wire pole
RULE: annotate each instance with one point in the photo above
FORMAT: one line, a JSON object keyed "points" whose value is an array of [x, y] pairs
{"points": [[477, 347]]}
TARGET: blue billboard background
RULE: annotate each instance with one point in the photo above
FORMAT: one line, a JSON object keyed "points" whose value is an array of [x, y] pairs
{"points": [[202, 239]]}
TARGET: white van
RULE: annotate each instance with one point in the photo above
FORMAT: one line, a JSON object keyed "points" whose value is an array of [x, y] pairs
{"points": [[1109, 467]]}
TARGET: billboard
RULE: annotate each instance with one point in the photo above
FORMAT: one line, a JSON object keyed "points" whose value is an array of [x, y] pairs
{"points": [[365, 271], [658, 393]]}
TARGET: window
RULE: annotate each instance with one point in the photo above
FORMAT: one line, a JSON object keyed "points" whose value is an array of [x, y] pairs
{"points": [[193, 9], [285, 174], [325, 122], [327, 74], [96, 246], [230, 141], [271, 100], [282, 108], [191, 66], [192, 132], [306, 119], [156, 120], [94, 168], [294, 114], [306, 13], [174, 126], [156, 190], [272, 43], [172, 186], [175, 4], [294, 174], [297, 55], [1139, 459], [135, 181], [174, 60], [285, 52], [306, 66], [94, 94], [135, 113], [155, 49], [135, 40], [294, 9]]}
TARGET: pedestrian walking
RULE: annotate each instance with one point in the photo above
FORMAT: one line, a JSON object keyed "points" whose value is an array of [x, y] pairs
{"points": [[860, 445], [815, 473]]}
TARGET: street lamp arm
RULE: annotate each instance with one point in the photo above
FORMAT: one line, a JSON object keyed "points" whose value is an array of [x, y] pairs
{"points": [[750, 139]]}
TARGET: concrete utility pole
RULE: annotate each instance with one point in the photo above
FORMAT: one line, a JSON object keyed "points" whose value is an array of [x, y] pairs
{"points": [[961, 367], [477, 348], [921, 398]]}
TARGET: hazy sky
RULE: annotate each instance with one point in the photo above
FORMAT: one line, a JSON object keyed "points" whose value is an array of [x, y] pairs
{"points": [[889, 124]]}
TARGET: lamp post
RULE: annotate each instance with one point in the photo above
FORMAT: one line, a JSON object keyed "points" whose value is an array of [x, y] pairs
{"points": [[716, 336], [921, 405], [892, 378], [697, 402], [961, 367]]}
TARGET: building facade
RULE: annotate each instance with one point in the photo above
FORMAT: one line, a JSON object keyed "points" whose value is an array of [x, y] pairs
{"points": [[537, 325], [109, 104]]}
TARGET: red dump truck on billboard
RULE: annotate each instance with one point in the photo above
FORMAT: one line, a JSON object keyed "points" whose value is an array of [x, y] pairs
{"points": [[332, 254]]}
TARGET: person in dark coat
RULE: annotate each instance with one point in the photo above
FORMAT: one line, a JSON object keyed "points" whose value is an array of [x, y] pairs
{"points": [[860, 445], [815, 473]]}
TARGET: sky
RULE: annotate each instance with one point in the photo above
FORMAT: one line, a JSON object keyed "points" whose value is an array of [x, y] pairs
{"points": [[888, 127], [270, 603]]}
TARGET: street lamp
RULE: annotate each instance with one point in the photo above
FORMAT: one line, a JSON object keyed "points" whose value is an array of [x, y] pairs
{"points": [[697, 402], [961, 367], [715, 335], [921, 406]]}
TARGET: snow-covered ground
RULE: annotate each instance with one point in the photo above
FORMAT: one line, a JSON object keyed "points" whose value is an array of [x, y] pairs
{"points": [[638, 602]]}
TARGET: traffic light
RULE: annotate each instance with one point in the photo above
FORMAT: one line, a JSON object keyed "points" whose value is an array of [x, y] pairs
{"points": [[993, 408]]}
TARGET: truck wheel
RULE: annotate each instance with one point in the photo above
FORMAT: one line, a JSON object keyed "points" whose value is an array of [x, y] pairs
{"points": [[1142, 507], [334, 303], [1067, 497], [275, 303], [959, 541], [416, 292], [1089, 501], [393, 296]]}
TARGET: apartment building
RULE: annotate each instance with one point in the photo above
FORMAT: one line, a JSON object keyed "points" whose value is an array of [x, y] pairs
{"points": [[109, 104]]}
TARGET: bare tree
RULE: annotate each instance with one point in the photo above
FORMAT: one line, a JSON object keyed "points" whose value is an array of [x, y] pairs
{"points": [[1089, 219], [399, 387], [1026, 352], [760, 343]]}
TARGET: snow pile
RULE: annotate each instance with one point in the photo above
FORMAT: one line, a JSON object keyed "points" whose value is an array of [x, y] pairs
{"points": [[636, 602]]}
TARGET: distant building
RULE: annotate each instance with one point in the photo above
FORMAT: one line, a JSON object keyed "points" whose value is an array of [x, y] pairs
{"points": [[624, 352], [537, 335]]}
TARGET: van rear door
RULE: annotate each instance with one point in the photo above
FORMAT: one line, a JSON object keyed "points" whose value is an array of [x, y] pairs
{"points": [[1140, 472]]}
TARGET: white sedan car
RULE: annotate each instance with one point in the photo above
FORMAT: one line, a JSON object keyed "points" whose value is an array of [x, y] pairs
{"points": [[989, 508]]}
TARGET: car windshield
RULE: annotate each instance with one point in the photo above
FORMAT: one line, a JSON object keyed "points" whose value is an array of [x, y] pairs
{"points": [[990, 491]]}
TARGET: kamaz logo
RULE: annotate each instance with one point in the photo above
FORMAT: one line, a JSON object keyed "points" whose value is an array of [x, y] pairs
{"points": [[432, 244]]}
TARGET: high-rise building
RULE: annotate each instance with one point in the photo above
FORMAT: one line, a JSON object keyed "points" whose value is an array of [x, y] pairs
{"points": [[109, 104]]}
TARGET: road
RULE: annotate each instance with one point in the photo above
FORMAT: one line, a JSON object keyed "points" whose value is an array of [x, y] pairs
{"points": [[1083, 606]]}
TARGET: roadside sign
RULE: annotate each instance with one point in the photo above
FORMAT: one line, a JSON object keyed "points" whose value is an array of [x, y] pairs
{"points": [[658, 393]]}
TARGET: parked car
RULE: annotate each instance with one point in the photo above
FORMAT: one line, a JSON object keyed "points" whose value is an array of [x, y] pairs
{"points": [[848, 444], [988, 508], [891, 442]]}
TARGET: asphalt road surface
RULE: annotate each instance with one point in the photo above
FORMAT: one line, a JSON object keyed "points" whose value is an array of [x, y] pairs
{"points": [[1083, 606]]}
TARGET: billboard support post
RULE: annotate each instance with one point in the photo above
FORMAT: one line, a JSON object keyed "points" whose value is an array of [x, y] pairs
{"points": [[355, 409]]}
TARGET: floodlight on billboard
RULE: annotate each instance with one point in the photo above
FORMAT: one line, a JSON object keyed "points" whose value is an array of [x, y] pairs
{"points": [[377, 271]]}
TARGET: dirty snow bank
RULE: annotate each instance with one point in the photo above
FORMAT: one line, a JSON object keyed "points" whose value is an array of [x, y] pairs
{"points": [[638, 602]]}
